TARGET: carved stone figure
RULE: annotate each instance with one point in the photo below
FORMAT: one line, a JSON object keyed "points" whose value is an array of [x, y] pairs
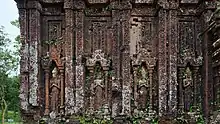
{"points": [[143, 88], [98, 86], [54, 92], [188, 91], [144, 80]]}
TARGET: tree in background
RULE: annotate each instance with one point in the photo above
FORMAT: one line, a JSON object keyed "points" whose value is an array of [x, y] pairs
{"points": [[9, 65]]}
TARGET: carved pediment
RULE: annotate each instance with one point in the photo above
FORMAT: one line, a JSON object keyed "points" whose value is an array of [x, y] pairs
{"points": [[97, 56], [53, 55], [188, 56], [145, 56], [98, 83]]}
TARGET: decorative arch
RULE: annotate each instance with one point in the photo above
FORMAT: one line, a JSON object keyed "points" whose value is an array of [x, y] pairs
{"points": [[146, 56], [188, 80], [189, 56], [53, 56], [56, 56], [144, 60], [99, 85], [98, 56]]}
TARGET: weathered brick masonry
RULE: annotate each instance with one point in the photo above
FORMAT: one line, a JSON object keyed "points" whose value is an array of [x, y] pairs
{"points": [[118, 59]]}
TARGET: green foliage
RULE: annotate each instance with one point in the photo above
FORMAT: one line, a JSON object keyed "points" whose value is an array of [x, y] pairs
{"points": [[135, 120], [140, 120], [200, 120], [12, 93], [154, 121], [42, 121], [15, 23], [50, 42], [53, 42], [92, 120], [9, 85], [8, 61], [12, 115]]}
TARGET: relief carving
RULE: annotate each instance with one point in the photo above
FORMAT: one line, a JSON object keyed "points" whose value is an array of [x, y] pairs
{"points": [[98, 67], [55, 93], [54, 79], [189, 80], [144, 80], [77, 67], [143, 88], [98, 86], [143, 65], [188, 56], [188, 89]]}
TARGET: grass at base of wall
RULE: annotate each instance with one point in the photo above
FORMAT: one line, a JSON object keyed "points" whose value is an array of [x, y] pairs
{"points": [[13, 122], [13, 116]]}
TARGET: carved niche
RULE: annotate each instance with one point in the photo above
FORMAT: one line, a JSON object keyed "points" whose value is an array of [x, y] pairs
{"points": [[189, 65], [53, 65], [188, 88], [54, 93], [55, 40], [143, 66], [54, 85], [98, 67]]}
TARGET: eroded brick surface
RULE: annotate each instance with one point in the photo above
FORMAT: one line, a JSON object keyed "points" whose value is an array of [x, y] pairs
{"points": [[121, 59]]}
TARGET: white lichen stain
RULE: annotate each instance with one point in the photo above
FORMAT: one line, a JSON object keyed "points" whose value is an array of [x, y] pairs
{"points": [[33, 75], [114, 109], [126, 100], [69, 93], [23, 93], [24, 52], [23, 102], [79, 88]]}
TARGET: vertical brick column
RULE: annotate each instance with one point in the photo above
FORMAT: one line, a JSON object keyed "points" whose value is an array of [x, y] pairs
{"points": [[79, 43], [24, 71], [162, 61], [116, 64], [34, 40], [207, 65], [69, 54], [126, 75], [172, 59], [121, 49]]}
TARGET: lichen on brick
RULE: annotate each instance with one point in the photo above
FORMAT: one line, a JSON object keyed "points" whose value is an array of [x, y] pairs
{"points": [[33, 75]]}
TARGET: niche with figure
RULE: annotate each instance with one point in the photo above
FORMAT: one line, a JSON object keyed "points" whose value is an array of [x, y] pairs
{"points": [[54, 91], [98, 68], [98, 86], [143, 87], [187, 88], [143, 64]]}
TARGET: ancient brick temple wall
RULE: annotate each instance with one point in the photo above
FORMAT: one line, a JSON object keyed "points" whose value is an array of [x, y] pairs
{"points": [[119, 56]]}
